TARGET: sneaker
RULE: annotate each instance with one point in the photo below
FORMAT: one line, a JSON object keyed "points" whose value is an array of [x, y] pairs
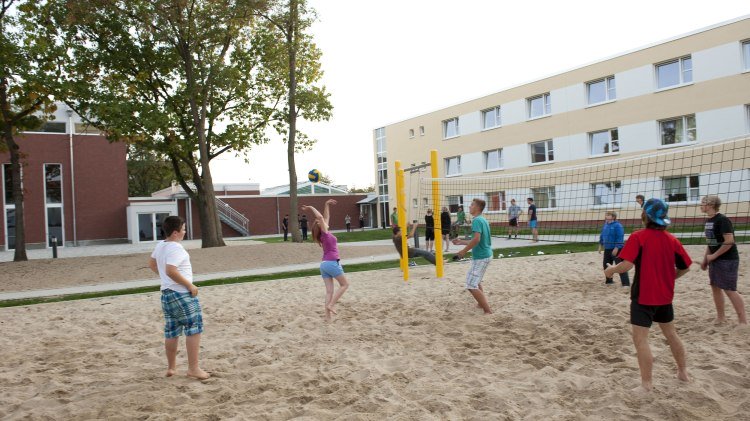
{"points": [[412, 264], [609, 282]]}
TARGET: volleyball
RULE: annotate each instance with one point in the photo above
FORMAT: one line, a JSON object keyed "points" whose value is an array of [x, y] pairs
{"points": [[313, 176]]}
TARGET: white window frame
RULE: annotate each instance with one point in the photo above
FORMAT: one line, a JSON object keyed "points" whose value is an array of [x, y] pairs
{"points": [[7, 206], [425, 202], [682, 71], [47, 206], [65, 131], [546, 106], [447, 163], [411, 133], [745, 46], [454, 201], [612, 133], [421, 130], [692, 193], [445, 128], [497, 112], [415, 203], [501, 199], [610, 90], [615, 192], [549, 147], [500, 161], [684, 134], [551, 197]]}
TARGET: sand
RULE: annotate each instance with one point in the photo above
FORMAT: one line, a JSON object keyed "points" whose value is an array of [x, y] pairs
{"points": [[557, 347]]}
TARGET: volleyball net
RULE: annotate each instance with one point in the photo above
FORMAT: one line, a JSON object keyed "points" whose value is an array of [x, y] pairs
{"points": [[571, 201]]}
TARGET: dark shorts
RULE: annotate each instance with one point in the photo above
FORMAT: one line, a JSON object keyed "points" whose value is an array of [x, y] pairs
{"points": [[645, 316], [429, 234], [723, 274], [513, 222], [182, 314]]}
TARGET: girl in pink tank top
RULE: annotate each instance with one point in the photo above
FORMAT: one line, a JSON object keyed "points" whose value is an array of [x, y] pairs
{"points": [[330, 268]]}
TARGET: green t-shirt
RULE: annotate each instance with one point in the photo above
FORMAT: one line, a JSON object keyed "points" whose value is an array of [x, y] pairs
{"points": [[483, 249], [394, 218], [461, 218]]}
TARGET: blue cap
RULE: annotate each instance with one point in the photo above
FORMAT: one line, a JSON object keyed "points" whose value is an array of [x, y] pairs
{"points": [[656, 211]]}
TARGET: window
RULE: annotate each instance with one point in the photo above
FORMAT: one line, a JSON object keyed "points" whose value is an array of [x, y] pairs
{"points": [[454, 202], [421, 130], [8, 185], [601, 90], [542, 152], [83, 128], [678, 130], [10, 207], [493, 160], [415, 203], [425, 203], [604, 142], [453, 165], [607, 193], [746, 54], [675, 72], [150, 226], [53, 127], [681, 189], [53, 199], [544, 197], [450, 128], [495, 201], [491, 118], [411, 133], [539, 106]]}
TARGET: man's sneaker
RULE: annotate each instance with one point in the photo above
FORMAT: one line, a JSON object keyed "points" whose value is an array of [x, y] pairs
{"points": [[412, 263]]}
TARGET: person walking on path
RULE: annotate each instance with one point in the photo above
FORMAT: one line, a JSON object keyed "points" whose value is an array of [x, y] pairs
{"points": [[285, 226], [532, 220], [361, 222], [429, 231], [445, 226], [394, 218], [611, 240], [348, 222], [722, 260], [179, 298], [514, 211], [330, 266], [303, 227]]}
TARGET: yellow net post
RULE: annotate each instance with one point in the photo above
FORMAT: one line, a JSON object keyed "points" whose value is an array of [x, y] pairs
{"points": [[436, 213], [401, 215]]}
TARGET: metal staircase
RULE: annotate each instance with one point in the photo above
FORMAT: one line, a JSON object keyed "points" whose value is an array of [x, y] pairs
{"points": [[231, 217]]}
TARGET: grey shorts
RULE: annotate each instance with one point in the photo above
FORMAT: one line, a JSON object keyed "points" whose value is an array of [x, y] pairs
{"points": [[476, 272], [723, 274]]}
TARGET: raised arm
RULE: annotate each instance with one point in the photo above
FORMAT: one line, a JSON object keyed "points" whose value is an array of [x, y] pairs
{"points": [[327, 212]]}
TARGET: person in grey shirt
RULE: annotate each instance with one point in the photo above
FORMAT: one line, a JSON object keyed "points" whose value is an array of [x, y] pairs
{"points": [[514, 211]]}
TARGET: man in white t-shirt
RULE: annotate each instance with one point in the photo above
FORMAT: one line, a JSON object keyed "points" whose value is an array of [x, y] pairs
{"points": [[179, 298]]}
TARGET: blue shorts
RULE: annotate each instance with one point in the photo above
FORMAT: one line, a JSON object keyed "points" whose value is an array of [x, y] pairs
{"points": [[182, 314], [532, 224], [330, 269], [476, 272], [723, 274]]}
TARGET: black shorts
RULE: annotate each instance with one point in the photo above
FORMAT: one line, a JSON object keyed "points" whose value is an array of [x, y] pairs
{"points": [[645, 316], [429, 234], [513, 222]]}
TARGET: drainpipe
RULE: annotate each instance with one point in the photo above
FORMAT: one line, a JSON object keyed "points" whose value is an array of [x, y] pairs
{"points": [[72, 175]]}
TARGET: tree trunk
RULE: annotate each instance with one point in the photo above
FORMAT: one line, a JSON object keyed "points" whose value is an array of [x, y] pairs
{"points": [[291, 39], [15, 170]]}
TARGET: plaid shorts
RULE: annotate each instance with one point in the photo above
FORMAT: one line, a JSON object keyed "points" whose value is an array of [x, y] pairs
{"points": [[723, 274], [182, 312], [476, 272]]}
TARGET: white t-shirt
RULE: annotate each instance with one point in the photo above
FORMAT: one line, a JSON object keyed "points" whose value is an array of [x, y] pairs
{"points": [[172, 253]]}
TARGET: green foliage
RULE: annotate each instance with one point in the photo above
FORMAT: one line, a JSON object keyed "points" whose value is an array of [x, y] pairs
{"points": [[149, 172], [368, 189]]}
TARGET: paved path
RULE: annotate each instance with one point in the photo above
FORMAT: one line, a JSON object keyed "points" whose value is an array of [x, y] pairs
{"points": [[497, 243]]}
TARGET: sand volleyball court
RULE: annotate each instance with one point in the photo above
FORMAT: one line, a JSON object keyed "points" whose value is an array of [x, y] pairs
{"points": [[557, 347]]}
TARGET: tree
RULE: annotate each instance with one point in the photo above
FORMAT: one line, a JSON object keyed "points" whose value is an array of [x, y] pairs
{"points": [[369, 189], [149, 172], [298, 62], [181, 79], [27, 69]]}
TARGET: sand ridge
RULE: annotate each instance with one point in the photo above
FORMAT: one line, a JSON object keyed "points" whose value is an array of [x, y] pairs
{"points": [[558, 347]]}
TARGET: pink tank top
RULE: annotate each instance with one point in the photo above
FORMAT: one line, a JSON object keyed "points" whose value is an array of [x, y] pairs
{"points": [[330, 246]]}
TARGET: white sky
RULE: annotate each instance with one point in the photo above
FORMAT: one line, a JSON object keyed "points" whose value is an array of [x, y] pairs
{"points": [[390, 60]]}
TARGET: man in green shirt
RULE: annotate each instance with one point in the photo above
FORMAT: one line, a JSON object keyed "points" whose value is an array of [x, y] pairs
{"points": [[394, 218], [481, 253]]}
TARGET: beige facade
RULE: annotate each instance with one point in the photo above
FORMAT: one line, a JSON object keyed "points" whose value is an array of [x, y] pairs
{"points": [[708, 104]]}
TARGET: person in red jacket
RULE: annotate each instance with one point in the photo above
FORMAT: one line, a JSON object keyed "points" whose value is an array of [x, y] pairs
{"points": [[659, 259]]}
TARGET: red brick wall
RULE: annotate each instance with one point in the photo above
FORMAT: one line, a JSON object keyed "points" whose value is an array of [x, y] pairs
{"points": [[262, 212], [101, 184]]}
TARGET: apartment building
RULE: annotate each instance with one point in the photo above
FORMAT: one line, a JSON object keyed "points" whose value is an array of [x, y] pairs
{"points": [[690, 90]]}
